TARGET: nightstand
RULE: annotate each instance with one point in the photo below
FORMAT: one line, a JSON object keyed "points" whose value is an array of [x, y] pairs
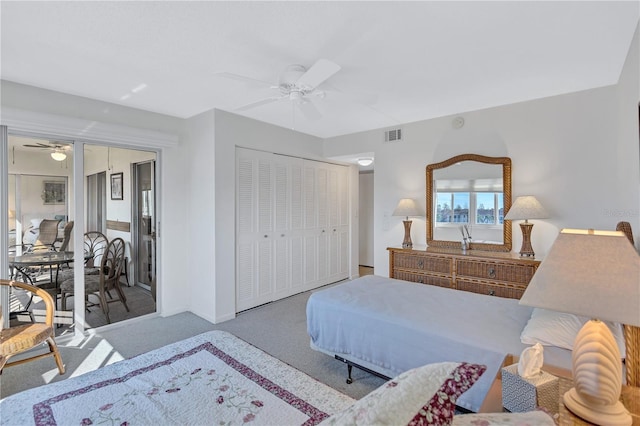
{"points": [[630, 398]]}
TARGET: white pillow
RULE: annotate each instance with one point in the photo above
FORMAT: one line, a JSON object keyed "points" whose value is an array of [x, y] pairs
{"points": [[551, 328], [424, 395], [35, 223]]}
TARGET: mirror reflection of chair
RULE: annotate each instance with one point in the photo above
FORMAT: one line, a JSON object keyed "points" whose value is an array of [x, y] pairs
{"points": [[21, 338], [104, 282]]}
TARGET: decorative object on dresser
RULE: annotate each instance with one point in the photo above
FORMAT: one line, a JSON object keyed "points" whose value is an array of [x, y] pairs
{"points": [[526, 207], [492, 273], [595, 274], [467, 179], [407, 207]]}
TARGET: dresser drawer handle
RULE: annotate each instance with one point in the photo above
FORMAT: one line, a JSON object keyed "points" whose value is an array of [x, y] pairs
{"points": [[421, 263], [492, 273]]}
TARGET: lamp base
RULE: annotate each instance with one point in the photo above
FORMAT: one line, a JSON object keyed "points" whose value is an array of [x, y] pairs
{"points": [[597, 375], [605, 415], [526, 250], [406, 243]]}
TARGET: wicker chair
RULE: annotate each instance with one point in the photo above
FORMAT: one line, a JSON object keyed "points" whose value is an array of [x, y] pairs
{"points": [[18, 339], [102, 283], [631, 334]]}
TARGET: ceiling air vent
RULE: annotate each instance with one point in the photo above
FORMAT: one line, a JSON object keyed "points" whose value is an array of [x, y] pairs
{"points": [[393, 135]]}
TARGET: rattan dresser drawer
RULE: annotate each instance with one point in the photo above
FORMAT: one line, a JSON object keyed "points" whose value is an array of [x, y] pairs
{"points": [[491, 289], [511, 272], [424, 279], [496, 274], [436, 264]]}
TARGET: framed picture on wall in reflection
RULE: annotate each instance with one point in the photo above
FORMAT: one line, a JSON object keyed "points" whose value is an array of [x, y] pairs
{"points": [[116, 186], [54, 192]]}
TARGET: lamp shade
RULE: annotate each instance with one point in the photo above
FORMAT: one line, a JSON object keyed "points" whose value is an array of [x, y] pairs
{"points": [[589, 273], [407, 207], [526, 207]]}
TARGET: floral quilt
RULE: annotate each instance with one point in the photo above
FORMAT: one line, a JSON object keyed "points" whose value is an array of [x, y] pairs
{"points": [[212, 378]]}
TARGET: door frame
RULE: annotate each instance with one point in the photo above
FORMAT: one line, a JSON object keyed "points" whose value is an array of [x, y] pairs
{"points": [[79, 131]]}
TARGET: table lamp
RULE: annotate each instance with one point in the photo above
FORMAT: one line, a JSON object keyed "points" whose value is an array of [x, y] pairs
{"points": [[407, 207], [526, 207], [594, 274]]}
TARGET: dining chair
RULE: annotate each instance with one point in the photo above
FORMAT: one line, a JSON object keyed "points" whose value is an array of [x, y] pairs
{"points": [[68, 227], [47, 234], [106, 280], [18, 339], [95, 245]]}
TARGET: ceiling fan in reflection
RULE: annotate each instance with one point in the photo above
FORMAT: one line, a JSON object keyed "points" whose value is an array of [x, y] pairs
{"points": [[58, 150]]}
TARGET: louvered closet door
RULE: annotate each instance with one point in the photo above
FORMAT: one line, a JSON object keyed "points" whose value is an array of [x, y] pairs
{"points": [[310, 230], [290, 221], [338, 202], [288, 226], [255, 229]]}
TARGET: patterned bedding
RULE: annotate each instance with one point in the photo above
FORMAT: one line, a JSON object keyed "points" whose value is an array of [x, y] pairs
{"points": [[212, 378]]}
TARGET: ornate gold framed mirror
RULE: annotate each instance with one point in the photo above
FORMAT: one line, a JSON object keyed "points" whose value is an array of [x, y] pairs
{"points": [[469, 194]]}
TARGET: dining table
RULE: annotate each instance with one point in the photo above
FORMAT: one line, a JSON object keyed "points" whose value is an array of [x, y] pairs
{"points": [[53, 259]]}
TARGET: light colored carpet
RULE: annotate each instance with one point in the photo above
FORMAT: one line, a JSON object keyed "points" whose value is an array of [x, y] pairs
{"points": [[278, 328]]}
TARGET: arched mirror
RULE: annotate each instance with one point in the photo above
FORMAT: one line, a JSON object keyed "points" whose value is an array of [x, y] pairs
{"points": [[469, 195]]}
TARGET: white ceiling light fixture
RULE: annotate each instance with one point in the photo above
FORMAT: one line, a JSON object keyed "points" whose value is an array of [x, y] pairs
{"points": [[364, 162], [58, 155]]}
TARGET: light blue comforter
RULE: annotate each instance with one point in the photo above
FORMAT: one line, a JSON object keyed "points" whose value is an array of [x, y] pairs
{"points": [[391, 326]]}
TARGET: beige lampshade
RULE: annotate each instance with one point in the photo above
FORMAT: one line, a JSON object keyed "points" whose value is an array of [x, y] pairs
{"points": [[589, 273], [407, 207], [12, 214], [526, 207]]}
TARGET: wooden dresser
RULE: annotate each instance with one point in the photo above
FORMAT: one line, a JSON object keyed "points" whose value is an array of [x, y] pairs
{"points": [[494, 273]]}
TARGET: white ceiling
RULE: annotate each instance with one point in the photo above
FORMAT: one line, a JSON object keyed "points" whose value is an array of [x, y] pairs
{"points": [[401, 61]]}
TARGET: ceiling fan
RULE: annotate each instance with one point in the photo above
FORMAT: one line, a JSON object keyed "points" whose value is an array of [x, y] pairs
{"points": [[58, 150], [296, 84]]}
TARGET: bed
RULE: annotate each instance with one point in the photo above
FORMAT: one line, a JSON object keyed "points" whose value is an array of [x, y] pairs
{"points": [[214, 375], [388, 326], [217, 378]]}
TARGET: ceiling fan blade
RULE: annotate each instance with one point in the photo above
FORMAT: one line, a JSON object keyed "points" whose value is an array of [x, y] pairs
{"points": [[243, 78], [39, 145], [258, 103], [317, 74], [309, 110]]}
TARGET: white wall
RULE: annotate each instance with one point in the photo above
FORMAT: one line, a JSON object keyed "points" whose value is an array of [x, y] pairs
{"points": [[365, 220], [578, 153]]}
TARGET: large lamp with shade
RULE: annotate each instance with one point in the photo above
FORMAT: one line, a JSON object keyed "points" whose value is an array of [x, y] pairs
{"points": [[407, 207], [594, 274], [525, 208]]}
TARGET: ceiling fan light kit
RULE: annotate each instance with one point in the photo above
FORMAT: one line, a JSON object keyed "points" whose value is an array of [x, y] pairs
{"points": [[58, 155]]}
